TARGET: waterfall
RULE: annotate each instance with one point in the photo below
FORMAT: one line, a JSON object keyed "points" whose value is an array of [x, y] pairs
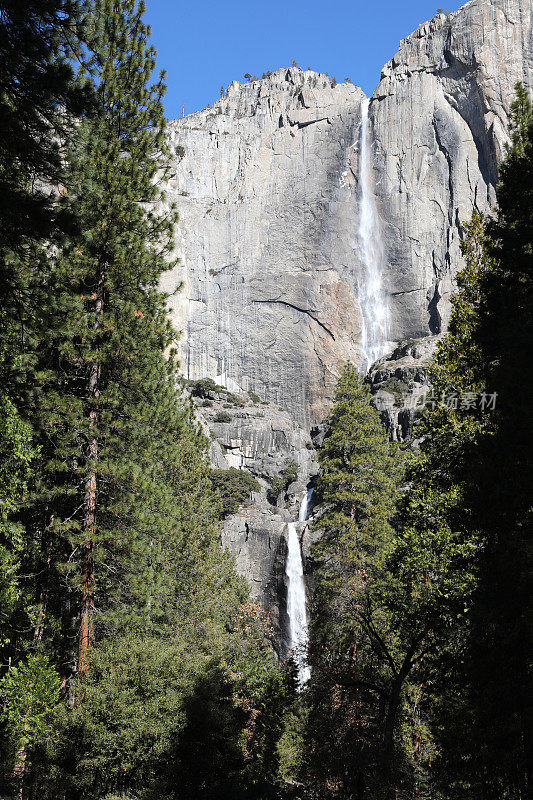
{"points": [[374, 309], [296, 603], [304, 506]]}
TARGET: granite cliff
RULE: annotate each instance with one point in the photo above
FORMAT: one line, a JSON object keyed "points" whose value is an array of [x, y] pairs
{"points": [[268, 184], [440, 117]]}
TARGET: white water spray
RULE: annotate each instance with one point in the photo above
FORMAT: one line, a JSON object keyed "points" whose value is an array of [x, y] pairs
{"points": [[374, 308], [296, 603]]}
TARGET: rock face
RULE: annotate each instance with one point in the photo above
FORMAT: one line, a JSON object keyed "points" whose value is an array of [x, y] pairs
{"points": [[440, 117], [268, 183], [266, 190], [400, 387]]}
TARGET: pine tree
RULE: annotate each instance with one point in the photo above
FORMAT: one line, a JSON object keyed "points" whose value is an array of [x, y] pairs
{"points": [[39, 40], [474, 490], [126, 552], [353, 650], [521, 115], [116, 430], [38, 98], [499, 677], [435, 562]]}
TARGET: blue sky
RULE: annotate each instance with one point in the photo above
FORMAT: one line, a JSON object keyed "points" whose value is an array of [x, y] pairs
{"points": [[204, 44]]}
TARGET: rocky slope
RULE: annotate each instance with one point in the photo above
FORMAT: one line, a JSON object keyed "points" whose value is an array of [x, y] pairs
{"points": [[267, 184], [263, 439]]}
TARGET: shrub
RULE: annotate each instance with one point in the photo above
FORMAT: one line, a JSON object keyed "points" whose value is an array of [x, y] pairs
{"points": [[204, 387], [222, 416], [234, 487], [233, 399], [254, 397], [282, 481], [394, 386]]}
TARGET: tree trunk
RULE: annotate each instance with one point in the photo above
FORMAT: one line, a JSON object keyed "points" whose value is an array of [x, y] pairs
{"points": [[390, 727], [43, 595], [19, 770], [89, 520], [87, 602]]}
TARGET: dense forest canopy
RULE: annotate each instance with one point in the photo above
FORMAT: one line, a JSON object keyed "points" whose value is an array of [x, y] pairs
{"points": [[134, 663]]}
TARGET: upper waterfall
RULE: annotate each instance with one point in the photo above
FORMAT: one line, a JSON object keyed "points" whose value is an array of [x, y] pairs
{"points": [[372, 298]]}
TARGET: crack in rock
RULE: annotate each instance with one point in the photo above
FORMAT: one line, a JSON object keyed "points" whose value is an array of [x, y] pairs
{"points": [[409, 291], [307, 311]]}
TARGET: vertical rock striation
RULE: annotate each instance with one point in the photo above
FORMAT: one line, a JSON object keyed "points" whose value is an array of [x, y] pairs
{"points": [[440, 119], [265, 183]]}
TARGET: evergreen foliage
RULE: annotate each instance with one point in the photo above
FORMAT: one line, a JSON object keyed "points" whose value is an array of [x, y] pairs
{"points": [[493, 685], [120, 547], [280, 483], [235, 487], [38, 96], [356, 656], [38, 40], [115, 430]]}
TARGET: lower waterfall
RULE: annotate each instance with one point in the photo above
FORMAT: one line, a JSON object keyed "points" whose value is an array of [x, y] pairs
{"points": [[296, 600]]}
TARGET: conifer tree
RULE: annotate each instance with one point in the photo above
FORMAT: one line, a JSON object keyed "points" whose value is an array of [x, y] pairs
{"points": [[497, 679], [438, 541], [38, 96], [39, 42], [395, 571], [353, 650], [126, 555], [115, 498], [473, 490], [102, 366], [38, 39]]}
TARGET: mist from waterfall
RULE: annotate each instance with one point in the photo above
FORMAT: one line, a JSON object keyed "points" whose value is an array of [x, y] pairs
{"points": [[296, 600], [372, 298]]}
